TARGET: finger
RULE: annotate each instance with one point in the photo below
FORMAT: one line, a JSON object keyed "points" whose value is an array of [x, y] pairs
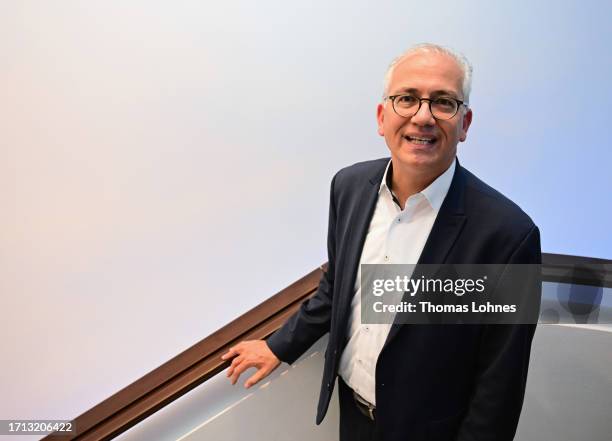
{"points": [[239, 370], [235, 362], [230, 353], [227, 355], [255, 378]]}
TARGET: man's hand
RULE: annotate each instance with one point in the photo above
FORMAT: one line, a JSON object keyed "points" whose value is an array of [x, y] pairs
{"points": [[251, 353]]}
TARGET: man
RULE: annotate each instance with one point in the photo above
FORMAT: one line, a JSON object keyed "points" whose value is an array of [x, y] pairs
{"points": [[412, 382]]}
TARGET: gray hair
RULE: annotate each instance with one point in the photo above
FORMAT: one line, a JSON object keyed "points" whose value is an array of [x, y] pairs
{"points": [[462, 61]]}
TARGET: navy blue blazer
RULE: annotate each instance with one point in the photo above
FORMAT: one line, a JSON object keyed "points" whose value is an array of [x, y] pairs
{"points": [[433, 382]]}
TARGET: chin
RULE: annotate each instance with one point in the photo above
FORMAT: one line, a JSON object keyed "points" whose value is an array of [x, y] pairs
{"points": [[418, 159]]}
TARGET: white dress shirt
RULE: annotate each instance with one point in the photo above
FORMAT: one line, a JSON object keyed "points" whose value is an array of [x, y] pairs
{"points": [[394, 236]]}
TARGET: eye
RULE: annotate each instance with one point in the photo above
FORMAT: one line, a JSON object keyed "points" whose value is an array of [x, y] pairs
{"points": [[444, 103], [406, 100]]}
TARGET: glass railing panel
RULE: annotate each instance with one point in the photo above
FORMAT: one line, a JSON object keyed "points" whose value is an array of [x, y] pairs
{"points": [[282, 407]]}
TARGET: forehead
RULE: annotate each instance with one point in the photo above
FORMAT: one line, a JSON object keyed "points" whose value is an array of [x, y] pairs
{"points": [[427, 72]]}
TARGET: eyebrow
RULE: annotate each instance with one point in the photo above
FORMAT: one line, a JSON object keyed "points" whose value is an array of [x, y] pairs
{"points": [[435, 93]]}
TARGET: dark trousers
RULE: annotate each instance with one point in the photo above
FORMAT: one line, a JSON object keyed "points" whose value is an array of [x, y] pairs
{"points": [[354, 426]]}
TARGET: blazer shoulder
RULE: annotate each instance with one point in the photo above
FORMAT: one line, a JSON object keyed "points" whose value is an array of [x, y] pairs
{"points": [[360, 172], [483, 200]]}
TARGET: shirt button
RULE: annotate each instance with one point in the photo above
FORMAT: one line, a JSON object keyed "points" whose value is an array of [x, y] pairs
{"points": [[367, 329], [399, 219], [386, 258]]}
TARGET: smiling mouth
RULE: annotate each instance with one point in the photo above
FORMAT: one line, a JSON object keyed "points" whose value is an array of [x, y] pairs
{"points": [[420, 140]]}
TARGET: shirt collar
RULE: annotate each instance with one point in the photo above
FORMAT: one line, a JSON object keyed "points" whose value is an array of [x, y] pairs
{"points": [[434, 192]]}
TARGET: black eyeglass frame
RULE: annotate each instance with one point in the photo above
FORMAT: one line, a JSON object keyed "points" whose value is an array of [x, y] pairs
{"points": [[429, 100]]}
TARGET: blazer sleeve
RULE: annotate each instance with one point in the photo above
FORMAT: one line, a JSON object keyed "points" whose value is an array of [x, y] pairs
{"points": [[501, 369], [313, 318]]}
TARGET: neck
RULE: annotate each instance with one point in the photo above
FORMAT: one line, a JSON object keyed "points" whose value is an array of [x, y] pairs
{"points": [[406, 181]]}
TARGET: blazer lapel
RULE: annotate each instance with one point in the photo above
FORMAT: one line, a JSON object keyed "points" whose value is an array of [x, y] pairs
{"points": [[444, 232], [359, 221]]}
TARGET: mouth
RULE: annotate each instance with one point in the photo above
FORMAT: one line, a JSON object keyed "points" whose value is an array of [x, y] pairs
{"points": [[421, 140]]}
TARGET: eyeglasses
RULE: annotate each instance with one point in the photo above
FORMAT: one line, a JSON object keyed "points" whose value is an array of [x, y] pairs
{"points": [[441, 108]]}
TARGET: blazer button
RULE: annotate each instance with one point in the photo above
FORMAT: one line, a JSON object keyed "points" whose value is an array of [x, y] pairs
{"points": [[328, 386]]}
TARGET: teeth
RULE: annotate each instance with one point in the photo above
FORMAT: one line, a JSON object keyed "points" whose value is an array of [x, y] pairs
{"points": [[418, 140]]}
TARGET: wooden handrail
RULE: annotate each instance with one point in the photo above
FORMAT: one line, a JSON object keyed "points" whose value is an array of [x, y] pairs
{"points": [[202, 361], [579, 270]]}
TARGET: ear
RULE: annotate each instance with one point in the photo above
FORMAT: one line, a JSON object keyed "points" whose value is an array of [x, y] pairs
{"points": [[465, 124], [380, 117]]}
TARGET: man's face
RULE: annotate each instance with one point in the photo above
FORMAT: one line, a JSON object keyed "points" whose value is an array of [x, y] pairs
{"points": [[425, 75]]}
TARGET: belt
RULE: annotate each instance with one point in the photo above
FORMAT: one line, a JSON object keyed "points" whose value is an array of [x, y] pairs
{"points": [[365, 407]]}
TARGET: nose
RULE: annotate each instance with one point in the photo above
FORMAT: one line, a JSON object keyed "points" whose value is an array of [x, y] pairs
{"points": [[423, 117]]}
